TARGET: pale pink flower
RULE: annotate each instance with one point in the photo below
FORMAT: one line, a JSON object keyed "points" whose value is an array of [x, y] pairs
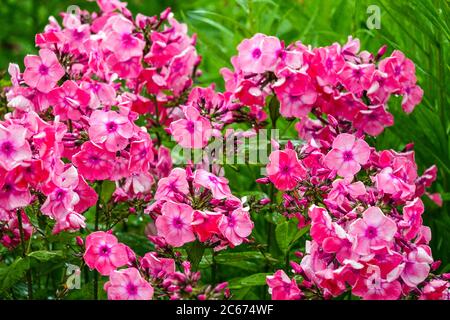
{"points": [[193, 131], [347, 155], [236, 226], [128, 284], [174, 223], [284, 169], [62, 198], [343, 188], [412, 96], [417, 267], [175, 183], [110, 128], [44, 71], [14, 148], [218, 185], [281, 287], [104, 253], [373, 231], [259, 54], [121, 41]]}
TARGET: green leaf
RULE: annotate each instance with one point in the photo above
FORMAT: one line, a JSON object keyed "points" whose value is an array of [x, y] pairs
{"points": [[287, 234], [45, 256], [11, 274], [108, 188], [195, 252], [257, 279], [282, 236]]}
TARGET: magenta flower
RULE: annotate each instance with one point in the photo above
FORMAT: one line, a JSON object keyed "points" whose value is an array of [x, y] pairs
{"points": [[128, 284], [283, 288], [14, 148], [94, 163], [373, 231], [104, 253], [373, 120], [347, 155], [192, 132], [174, 224], [297, 95], [69, 101], [356, 77], [13, 193], [42, 72], [110, 128], [236, 226], [284, 169], [157, 267], [218, 185]]}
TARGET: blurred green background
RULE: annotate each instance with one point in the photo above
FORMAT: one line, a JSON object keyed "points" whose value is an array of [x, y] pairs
{"points": [[419, 28]]}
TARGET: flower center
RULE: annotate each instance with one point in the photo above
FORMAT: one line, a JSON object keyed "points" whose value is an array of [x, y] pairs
{"points": [[371, 232], [177, 223], [7, 148], [190, 126], [94, 159], [357, 73], [111, 126], [132, 289], [7, 188], [105, 250], [231, 221], [213, 179], [285, 169], [348, 156], [43, 70], [256, 53], [60, 194]]}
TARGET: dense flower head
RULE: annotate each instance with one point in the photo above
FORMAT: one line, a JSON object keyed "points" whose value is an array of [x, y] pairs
{"points": [[367, 232], [338, 80], [199, 205]]}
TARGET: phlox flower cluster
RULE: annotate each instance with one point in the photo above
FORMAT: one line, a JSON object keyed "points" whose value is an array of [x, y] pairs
{"points": [[144, 278], [350, 85], [364, 211], [73, 122], [198, 205]]}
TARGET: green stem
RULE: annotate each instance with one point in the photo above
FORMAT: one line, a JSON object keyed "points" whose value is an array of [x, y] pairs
{"points": [[214, 268], [24, 254], [97, 218]]}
